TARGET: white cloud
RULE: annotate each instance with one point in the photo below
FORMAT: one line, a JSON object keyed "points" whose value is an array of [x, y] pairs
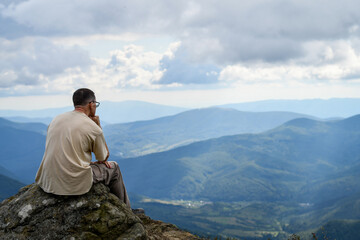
{"points": [[26, 68], [133, 67], [178, 68], [325, 61], [288, 73]]}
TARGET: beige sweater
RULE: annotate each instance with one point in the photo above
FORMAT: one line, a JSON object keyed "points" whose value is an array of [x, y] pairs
{"points": [[65, 168]]}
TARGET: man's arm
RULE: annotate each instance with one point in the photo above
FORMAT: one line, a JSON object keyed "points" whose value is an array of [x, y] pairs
{"points": [[107, 156], [96, 119]]}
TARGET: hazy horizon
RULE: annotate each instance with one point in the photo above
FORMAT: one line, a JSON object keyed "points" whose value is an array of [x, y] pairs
{"points": [[18, 106]]}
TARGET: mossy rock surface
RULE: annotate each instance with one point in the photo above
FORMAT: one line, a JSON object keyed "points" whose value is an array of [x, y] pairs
{"points": [[98, 214]]}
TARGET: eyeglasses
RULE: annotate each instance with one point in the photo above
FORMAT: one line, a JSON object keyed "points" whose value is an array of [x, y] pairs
{"points": [[96, 103]]}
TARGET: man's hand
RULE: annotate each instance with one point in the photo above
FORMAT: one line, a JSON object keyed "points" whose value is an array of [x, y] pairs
{"points": [[107, 164], [96, 119]]}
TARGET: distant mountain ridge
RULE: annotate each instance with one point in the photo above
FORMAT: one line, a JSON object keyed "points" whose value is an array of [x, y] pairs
{"points": [[130, 111], [144, 137], [109, 112], [322, 108]]}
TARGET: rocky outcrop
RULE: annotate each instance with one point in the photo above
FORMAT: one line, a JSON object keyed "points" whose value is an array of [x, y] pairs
{"points": [[98, 214]]}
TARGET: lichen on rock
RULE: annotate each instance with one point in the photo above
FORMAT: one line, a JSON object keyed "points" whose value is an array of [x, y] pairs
{"points": [[24, 212]]}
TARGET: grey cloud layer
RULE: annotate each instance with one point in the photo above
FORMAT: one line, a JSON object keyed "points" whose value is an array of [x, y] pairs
{"points": [[29, 61], [218, 31], [67, 17]]}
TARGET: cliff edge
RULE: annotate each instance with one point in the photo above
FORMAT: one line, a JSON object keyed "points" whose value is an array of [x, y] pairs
{"points": [[98, 214]]}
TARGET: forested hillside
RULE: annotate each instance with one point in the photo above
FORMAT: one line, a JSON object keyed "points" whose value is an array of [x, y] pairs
{"points": [[144, 137], [302, 160]]}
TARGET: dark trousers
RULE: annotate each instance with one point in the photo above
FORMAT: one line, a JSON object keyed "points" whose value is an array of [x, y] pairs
{"points": [[112, 178]]}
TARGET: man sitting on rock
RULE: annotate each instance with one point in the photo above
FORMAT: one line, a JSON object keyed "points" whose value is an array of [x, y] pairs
{"points": [[66, 168]]}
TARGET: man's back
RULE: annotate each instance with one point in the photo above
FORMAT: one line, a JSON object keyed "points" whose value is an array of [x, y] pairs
{"points": [[65, 169]]}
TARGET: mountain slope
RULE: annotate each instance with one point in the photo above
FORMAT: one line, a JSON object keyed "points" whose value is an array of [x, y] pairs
{"points": [[339, 230], [45, 120], [39, 113], [299, 161], [21, 150], [28, 126], [143, 137], [8, 187]]}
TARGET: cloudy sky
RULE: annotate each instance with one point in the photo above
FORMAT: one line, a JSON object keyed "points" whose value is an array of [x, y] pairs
{"points": [[182, 53]]}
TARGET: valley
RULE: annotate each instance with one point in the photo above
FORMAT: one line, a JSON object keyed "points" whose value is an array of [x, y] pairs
{"points": [[251, 219]]}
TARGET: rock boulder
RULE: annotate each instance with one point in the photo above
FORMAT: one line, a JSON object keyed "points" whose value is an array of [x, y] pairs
{"points": [[98, 214]]}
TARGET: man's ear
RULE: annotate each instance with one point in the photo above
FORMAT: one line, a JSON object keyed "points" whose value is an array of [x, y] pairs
{"points": [[90, 112]]}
